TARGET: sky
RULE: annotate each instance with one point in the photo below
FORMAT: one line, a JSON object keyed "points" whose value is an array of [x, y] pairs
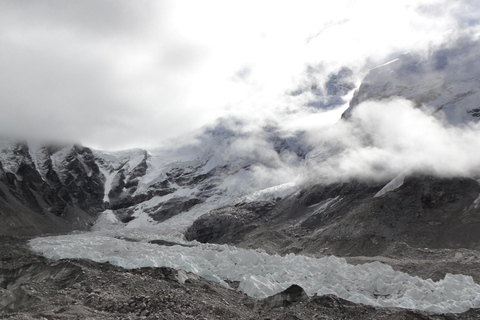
{"points": [[117, 74]]}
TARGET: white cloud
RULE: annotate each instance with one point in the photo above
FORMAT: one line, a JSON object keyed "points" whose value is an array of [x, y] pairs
{"points": [[385, 138], [115, 74]]}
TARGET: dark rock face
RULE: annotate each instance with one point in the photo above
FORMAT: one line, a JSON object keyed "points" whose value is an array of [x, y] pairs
{"points": [[59, 190], [123, 192], [443, 81], [121, 198], [229, 224], [124, 185], [172, 207], [423, 212], [346, 218]]}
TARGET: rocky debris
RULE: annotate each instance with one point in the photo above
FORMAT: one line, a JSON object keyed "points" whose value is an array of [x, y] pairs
{"points": [[231, 223], [167, 243], [17, 282], [33, 287], [288, 296], [75, 288]]}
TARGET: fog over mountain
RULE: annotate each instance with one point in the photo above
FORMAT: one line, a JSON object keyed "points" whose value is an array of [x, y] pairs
{"points": [[121, 75], [240, 160]]}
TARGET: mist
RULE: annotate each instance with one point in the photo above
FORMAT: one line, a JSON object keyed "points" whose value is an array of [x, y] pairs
{"points": [[415, 115], [383, 139], [121, 74]]}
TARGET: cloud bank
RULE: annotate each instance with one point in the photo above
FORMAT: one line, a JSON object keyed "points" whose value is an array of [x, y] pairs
{"points": [[385, 138], [117, 74]]}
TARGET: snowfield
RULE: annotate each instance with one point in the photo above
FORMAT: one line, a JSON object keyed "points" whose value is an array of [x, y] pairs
{"points": [[261, 274]]}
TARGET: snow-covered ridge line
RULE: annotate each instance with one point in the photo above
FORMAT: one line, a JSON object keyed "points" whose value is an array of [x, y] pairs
{"points": [[262, 275]]}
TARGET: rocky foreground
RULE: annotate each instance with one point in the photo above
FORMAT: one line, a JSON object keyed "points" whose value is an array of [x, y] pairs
{"points": [[33, 287]]}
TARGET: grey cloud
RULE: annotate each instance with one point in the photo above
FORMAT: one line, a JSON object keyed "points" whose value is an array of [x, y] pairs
{"points": [[115, 74], [66, 72], [387, 138], [96, 18], [243, 74]]}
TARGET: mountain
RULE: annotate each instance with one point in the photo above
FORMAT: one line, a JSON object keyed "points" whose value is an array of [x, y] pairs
{"points": [[445, 82], [55, 189], [249, 206], [374, 215], [48, 189], [219, 167]]}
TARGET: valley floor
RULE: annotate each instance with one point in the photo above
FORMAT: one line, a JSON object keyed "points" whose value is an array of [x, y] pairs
{"points": [[33, 287]]}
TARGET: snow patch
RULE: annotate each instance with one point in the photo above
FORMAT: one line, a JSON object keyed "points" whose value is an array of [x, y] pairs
{"points": [[321, 207], [106, 220], [477, 202], [109, 175], [396, 183], [280, 191]]}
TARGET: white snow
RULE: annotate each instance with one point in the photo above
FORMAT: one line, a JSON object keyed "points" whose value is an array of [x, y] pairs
{"points": [[385, 64], [396, 183], [280, 191], [262, 275], [109, 175], [59, 162], [10, 159], [477, 202], [106, 220]]}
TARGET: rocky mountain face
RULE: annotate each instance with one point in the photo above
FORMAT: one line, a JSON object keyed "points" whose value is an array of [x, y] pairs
{"points": [[373, 217], [214, 169], [48, 189], [349, 219], [444, 82]]}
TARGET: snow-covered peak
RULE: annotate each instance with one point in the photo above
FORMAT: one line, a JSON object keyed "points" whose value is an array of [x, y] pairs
{"points": [[13, 154], [445, 81], [326, 90], [225, 162]]}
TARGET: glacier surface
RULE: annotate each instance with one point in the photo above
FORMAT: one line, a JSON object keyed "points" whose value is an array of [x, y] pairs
{"points": [[261, 274]]}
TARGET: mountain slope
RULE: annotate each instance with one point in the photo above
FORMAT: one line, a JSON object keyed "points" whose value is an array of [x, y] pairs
{"points": [[46, 189], [445, 82]]}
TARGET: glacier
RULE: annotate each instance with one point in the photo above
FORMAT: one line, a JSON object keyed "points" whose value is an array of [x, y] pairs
{"points": [[260, 274]]}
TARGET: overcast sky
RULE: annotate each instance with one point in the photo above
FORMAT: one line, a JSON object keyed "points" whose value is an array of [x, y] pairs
{"points": [[114, 74]]}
